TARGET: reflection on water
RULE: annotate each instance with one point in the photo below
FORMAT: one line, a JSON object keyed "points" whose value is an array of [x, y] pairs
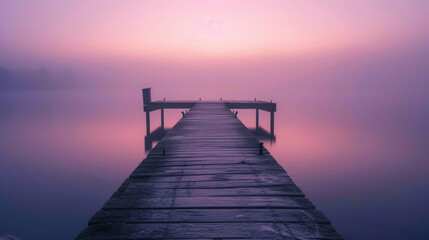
{"points": [[154, 137], [64, 153]]}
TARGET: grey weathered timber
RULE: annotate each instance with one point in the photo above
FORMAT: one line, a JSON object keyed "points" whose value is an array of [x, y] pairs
{"points": [[206, 179], [149, 106]]}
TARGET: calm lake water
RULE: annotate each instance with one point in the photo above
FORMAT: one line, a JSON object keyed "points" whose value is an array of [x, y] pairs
{"points": [[362, 160]]}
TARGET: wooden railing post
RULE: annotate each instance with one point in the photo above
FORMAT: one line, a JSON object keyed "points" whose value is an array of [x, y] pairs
{"points": [[272, 124], [162, 118], [257, 119], [147, 123], [146, 102]]}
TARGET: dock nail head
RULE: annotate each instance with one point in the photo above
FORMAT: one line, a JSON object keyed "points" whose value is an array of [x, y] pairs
{"points": [[261, 148]]}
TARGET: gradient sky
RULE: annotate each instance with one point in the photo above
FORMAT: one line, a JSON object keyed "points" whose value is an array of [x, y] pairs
{"points": [[73, 30]]}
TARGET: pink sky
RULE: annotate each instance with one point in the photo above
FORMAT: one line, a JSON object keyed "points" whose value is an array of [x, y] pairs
{"points": [[190, 30]]}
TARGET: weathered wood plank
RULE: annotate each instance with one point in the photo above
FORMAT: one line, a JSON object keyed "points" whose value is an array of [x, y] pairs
{"points": [[246, 230], [213, 184], [183, 163], [210, 202], [280, 177], [197, 168], [202, 172], [211, 215], [139, 191]]}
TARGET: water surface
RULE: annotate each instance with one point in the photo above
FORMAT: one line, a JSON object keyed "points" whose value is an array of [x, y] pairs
{"points": [[363, 163]]}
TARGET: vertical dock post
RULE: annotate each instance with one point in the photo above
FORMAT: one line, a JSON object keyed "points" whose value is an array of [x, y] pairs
{"points": [[272, 124], [147, 123], [257, 119], [146, 102], [162, 118]]}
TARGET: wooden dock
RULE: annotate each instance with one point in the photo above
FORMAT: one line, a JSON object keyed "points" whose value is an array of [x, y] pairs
{"points": [[150, 106], [206, 179]]}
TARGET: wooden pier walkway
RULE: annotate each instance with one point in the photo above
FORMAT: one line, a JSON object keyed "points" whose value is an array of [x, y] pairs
{"points": [[206, 179]]}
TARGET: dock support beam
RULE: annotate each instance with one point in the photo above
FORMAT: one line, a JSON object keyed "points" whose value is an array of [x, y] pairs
{"points": [[257, 119], [272, 124], [146, 101], [147, 123], [162, 118]]}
